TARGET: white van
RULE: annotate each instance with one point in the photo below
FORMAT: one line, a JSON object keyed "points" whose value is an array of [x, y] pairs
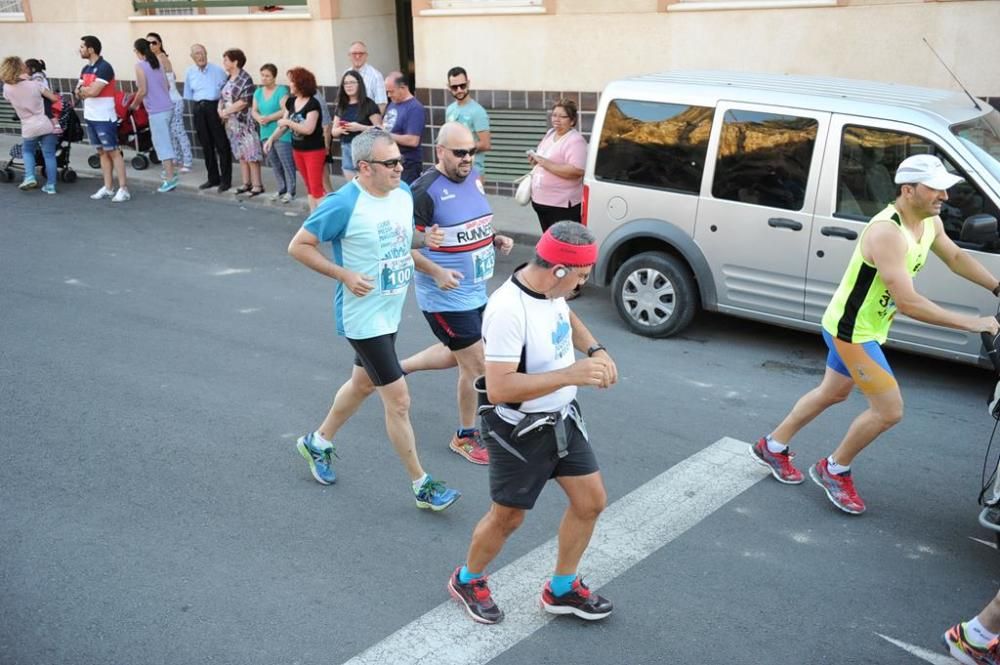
{"points": [[745, 194]]}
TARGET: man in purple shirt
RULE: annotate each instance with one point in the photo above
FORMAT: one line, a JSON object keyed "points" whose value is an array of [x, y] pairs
{"points": [[405, 119]]}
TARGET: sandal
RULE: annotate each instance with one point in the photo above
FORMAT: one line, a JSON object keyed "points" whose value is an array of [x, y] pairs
{"points": [[256, 192], [244, 189]]}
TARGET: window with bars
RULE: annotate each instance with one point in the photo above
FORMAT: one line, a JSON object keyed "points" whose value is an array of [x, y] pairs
{"points": [[11, 7]]}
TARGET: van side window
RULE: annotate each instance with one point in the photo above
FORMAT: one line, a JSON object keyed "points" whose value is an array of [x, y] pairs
{"points": [[764, 159], [868, 161], [650, 144]]}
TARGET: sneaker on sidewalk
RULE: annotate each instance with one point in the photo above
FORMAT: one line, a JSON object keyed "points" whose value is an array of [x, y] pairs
{"points": [[287, 198], [28, 183], [435, 495], [839, 488], [49, 189], [470, 447], [780, 464], [103, 193], [274, 198], [168, 185], [476, 598], [960, 649], [580, 601], [121, 196], [318, 458], [185, 169]]}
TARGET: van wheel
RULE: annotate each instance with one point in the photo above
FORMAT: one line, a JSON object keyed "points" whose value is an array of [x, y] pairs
{"points": [[655, 294]]}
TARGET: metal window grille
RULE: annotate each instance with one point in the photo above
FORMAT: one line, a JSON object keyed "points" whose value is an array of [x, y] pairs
{"points": [[11, 7]]}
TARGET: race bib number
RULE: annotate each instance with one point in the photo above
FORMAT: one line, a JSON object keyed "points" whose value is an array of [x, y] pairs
{"points": [[395, 275], [482, 263]]}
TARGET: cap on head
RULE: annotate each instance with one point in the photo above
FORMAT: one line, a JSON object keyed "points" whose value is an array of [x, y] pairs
{"points": [[925, 170], [578, 249]]}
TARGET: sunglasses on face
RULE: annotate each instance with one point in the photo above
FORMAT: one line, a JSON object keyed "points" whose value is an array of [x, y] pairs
{"points": [[462, 153], [153, 42], [387, 163], [459, 86]]}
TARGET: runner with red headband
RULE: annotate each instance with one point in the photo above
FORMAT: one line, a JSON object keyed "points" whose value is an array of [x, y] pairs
{"points": [[533, 428]]}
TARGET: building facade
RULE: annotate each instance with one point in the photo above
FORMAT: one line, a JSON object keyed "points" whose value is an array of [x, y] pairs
{"points": [[521, 55]]}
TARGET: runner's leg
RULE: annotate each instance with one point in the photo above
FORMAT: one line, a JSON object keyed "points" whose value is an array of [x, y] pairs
{"points": [[834, 388], [349, 397], [587, 499]]}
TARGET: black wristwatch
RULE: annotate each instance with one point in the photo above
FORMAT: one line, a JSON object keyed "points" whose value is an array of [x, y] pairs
{"points": [[996, 290], [594, 349]]}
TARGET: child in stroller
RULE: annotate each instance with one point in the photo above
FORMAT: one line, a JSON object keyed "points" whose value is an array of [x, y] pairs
{"points": [[133, 131], [70, 131]]}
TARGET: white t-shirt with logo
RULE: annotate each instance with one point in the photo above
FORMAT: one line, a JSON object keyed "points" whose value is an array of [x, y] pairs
{"points": [[516, 319]]}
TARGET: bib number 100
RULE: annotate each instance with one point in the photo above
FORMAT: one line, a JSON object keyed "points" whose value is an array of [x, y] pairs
{"points": [[396, 275]]}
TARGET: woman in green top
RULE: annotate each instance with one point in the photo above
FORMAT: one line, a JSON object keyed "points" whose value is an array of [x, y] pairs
{"points": [[268, 107], [878, 282]]}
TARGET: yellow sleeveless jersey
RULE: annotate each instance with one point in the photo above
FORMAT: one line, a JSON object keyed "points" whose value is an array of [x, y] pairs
{"points": [[862, 308]]}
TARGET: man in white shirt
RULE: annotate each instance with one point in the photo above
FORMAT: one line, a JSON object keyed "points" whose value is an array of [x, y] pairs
{"points": [[374, 81], [534, 430]]}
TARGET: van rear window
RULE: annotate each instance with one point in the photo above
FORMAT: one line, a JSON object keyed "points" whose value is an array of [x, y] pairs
{"points": [[650, 144]]}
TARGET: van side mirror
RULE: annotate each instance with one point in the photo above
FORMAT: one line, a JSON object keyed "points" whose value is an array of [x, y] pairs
{"points": [[979, 230]]}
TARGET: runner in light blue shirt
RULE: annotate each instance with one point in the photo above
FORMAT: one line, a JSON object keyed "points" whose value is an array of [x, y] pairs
{"points": [[369, 223]]}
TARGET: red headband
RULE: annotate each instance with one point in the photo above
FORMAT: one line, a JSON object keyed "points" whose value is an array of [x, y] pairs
{"points": [[557, 252]]}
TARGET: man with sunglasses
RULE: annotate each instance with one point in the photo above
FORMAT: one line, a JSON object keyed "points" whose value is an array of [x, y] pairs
{"points": [[450, 199], [536, 431], [369, 222], [405, 118], [469, 112]]}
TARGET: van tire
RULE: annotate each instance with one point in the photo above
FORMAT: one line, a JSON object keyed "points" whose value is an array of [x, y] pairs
{"points": [[661, 316]]}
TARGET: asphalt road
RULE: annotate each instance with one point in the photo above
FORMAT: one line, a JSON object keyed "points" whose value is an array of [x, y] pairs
{"points": [[158, 359]]}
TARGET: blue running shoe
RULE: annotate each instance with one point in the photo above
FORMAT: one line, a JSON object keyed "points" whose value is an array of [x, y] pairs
{"points": [[434, 495], [318, 458]]}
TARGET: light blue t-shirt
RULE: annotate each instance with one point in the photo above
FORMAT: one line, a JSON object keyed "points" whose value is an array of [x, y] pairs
{"points": [[371, 236], [474, 117]]}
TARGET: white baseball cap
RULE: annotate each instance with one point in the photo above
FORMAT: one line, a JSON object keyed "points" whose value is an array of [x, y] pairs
{"points": [[926, 170]]}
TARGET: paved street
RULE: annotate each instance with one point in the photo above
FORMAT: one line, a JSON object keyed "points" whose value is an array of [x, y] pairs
{"points": [[159, 358]]}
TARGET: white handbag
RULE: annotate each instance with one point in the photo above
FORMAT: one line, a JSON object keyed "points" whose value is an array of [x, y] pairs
{"points": [[523, 192]]}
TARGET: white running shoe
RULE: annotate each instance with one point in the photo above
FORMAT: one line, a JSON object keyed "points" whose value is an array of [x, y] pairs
{"points": [[121, 196], [185, 169], [287, 198], [102, 193]]}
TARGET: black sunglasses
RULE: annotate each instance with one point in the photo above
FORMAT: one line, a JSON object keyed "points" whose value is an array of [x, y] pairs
{"points": [[153, 42], [459, 86], [387, 163], [462, 153]]}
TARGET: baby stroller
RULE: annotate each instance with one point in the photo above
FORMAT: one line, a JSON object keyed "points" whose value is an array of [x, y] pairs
{"points": [[72, 131], [134, 132]]}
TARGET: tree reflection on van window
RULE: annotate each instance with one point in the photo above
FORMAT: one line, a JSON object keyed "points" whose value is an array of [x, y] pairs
{"points": [[868, 160], [764, 159], [650, 144]]}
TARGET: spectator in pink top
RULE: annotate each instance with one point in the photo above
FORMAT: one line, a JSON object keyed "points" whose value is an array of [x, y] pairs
{"points": [[26, 96], [557, 173]]}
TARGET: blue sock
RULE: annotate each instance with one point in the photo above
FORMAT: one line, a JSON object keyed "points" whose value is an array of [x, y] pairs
{"points": [[464, 433], [464, 576], [562, 584]]}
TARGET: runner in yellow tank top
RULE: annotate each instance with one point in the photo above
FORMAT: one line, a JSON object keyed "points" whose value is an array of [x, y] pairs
{"points": [[878, 282]]}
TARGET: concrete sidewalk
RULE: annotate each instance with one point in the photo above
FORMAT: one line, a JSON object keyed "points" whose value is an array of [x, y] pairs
{"points": [[508, 217]]}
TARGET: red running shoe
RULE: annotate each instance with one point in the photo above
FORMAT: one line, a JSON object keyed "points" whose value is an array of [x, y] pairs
{"points": [[839, 488], [580, 601], [471, 448], [476, 598], [780, 464]]}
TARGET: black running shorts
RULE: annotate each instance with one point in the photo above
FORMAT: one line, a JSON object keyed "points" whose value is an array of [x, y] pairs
{"points": [[378, 357], [457, 330], [516, 483]]}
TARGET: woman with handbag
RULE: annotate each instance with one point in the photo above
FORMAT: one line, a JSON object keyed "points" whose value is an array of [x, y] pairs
{"points": [[557, 173]]}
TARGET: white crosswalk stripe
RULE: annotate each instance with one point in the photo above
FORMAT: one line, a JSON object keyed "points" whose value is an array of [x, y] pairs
{"points": [[631, 529]]}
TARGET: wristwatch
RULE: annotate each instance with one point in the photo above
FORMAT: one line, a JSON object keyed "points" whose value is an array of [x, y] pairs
{"points": [[600, 347], [996, 290]]}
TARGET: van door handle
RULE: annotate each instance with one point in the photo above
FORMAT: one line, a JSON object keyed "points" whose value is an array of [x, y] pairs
{"points": [[839, 232], [782, 223]]}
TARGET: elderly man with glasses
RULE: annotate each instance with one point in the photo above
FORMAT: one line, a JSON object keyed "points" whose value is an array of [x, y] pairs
{"points": [[374, 81], [449, 198], [369, 223]]}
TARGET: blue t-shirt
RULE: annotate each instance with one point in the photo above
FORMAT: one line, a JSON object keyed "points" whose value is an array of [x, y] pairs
{"points": [[461, 210], [406, 118], [371, 236]]}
